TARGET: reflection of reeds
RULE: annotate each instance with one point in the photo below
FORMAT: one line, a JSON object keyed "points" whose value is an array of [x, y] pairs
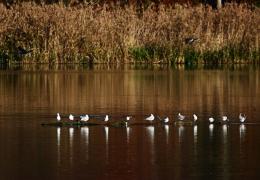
{"points": [[59, 34], [130, 92]]}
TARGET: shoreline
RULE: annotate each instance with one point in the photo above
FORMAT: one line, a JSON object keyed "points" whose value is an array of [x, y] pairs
{"points": [[122, 67]]}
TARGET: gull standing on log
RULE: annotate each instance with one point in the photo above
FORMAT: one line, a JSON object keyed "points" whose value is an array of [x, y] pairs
{"points": [[127, 119], [181, 117], [225, 119], [166, 120], [71, 117], [150, 118], [195, 117], [211, 120], [58, 117], [106, 118], [242, 117], [84, 118]]}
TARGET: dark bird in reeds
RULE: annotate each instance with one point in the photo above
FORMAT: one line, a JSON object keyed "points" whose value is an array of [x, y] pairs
{"points": [[190, 40], [21, 51]]}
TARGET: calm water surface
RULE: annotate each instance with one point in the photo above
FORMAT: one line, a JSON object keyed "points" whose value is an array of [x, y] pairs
{"points": [[30, 96]]}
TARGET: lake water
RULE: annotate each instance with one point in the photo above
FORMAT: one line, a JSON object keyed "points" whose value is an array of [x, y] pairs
{"points": [[31, 95]]}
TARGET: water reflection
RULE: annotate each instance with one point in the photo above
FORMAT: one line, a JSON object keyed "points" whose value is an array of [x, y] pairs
{"points": [[106, 130], [242, 131], [85, 134], [26, 94], [195, 134], [58, 131], [71, 136], [225, 132], [58, 136], [128, 134], [225, 155], [104, 88], [211, 129], [195, 138], [166, 128], [150, 132], [180, 132]]}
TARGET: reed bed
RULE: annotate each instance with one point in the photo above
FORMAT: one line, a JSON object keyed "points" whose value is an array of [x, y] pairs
{"points": [[104, 34]]}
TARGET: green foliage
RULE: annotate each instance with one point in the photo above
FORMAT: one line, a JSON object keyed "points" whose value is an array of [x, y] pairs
{"points": [[257, 3], [3, 57], [174, 55], [230, 54], [139, 54], [191, 56]]}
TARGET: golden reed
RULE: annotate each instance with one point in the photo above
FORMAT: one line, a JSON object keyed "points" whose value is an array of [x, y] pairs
{"points": [[105, 34]]}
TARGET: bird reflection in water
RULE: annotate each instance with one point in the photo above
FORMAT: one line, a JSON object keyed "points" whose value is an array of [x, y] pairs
{"points": [[58, 144], [225, 132], [195, 139], [242, 131], [211, 129], [106, 130], [150, 132], [128, 134], [166, 128], [58, 136], [180, 132], [85, 135], [71, 134], [195, 134], [242, 134]]}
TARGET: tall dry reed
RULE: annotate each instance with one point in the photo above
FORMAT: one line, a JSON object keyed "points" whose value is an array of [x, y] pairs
{"points": [[59, 34]]}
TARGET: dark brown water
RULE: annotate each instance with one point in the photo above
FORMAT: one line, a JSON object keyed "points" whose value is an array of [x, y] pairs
{"points": [[30, 96]]}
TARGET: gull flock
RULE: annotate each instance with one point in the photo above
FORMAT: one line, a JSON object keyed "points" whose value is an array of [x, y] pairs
{"points": [[152, 118]]}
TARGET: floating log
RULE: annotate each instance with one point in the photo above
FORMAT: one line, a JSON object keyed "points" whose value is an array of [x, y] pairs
{"points": [[126, 123], [67, 123], [184, 123]]}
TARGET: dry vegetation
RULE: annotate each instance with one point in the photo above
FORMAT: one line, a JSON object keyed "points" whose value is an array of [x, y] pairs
{"points": [[59, 34]]}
